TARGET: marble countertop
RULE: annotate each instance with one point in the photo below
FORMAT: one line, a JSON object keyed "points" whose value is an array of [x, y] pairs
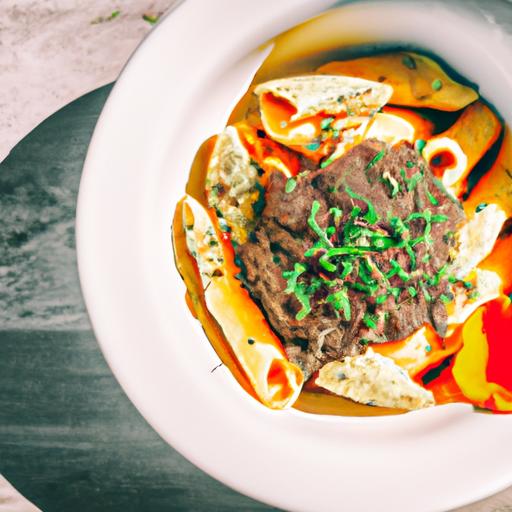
{"points": [[69, 436], [53, 51]]}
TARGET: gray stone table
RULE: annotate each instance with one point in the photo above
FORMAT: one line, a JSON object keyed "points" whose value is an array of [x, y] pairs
{"points": [[70, 440]]}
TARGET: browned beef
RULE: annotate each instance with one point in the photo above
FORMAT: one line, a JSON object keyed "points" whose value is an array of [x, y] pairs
{"points": [[396, 182]]}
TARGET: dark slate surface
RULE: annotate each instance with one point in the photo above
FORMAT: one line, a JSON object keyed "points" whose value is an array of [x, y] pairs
{"points": [[70, 440]]}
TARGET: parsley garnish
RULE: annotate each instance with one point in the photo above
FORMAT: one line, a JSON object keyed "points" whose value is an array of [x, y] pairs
{"points": [[290, 185], [327, 162], [298, 289], [370, 321], [376, 158], [339, 300], [408, 62], [412, 181], [371, 215], [437, 84], [326, 123], [420, 145], [431, 198], [315, 227], [150, 18]]}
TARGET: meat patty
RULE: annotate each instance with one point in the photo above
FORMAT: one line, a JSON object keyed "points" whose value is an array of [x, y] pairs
{"points": [[353, 253]]}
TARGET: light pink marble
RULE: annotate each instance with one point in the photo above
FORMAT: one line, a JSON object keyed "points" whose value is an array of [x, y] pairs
{"points": [[53, 51]]}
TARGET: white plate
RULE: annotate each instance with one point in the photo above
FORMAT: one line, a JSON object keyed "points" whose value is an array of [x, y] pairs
{"points": [[176, 91]]}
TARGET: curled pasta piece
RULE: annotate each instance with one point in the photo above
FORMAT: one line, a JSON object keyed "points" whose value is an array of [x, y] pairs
{"points": [[276, 381], [495, 186], [476, 239], [314, 114], [453, 153], [417, 81], [234, 184], [375, 380]]}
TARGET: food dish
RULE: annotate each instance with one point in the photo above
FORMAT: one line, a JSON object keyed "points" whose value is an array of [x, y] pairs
{"points": [[328, 230], [135, 172]]}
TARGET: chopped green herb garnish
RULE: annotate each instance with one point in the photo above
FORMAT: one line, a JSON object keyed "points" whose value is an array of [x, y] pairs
{"points": [[339, 251], [382, 242], [290, 185], [327, 162], [331, 190], [368, 289], [395, 292], [437, 84], [292, 275], [412, 291], [431, 198], [315, 227], [336, 213], [151, 19], [467, 285], [409, 164], [444, 298], [380, 299], [415, 179], [396, 269], [412, 181], [365, 272], [434, 281], [330, 230], [370, 321], [376, 158], [408, 62], [420, 145], [480, 207], [306, 306], [394, 186], [347, 269], [364, 341], [276, 259], [371, 215], [410, 253], [326, 123], [340, 301], [102, 19], [427, 295], [474, 294], [398, 225], [428, 348], [448, 236], [298, 289], [355, 212], [313, 146], [439, 218]]}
